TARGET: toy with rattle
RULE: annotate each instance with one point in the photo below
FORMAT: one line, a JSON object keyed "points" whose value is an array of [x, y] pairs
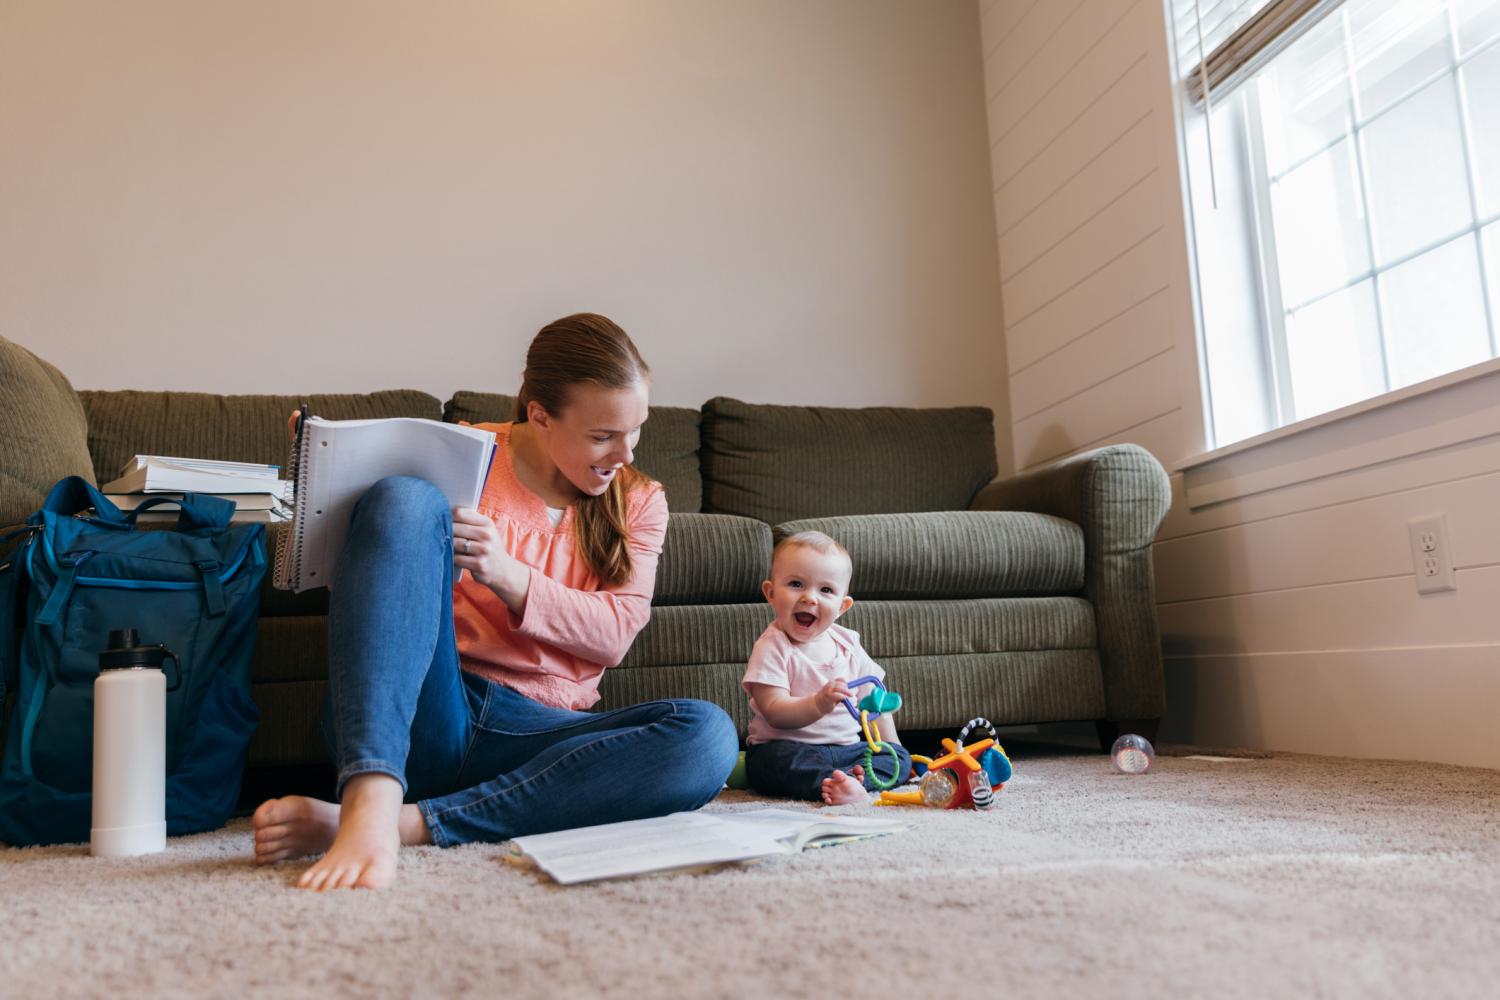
{"points": [[965, 775]]}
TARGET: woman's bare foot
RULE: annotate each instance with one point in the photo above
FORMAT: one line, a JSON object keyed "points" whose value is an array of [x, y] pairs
{"points": [[293, 827], [363, 853], [841, 788]]}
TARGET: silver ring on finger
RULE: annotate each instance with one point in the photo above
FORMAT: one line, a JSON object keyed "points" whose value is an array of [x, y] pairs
{"points": [[466, 546]]}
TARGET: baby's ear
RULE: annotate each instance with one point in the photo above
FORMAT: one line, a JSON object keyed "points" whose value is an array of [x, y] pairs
{"points": [[845, 604], [765, 588]]}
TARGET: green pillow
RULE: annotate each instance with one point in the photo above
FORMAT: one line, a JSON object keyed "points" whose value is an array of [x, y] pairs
{"points": [[785, 463], [43, 432]]}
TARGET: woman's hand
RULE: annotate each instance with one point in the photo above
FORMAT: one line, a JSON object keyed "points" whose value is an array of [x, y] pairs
{"points": [[479, 550]]}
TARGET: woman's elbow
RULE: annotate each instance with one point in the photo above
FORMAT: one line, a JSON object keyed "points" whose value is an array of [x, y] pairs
{"points": [[630, 626]]}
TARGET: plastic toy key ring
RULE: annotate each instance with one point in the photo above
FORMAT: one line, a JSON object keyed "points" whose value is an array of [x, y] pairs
{"points": [[871, 706]]}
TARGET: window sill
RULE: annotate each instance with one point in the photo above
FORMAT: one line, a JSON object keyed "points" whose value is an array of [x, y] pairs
{"points": [[1449, 410]]}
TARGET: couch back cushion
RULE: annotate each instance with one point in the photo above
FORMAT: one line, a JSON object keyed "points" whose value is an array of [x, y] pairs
{"points": [[237, 428], [712, 559], [43, 432], [668, 449], [955, 554], [780, 463]]}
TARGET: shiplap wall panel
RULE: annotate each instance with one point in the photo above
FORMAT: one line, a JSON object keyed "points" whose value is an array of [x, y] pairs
{"points": [[1435, 704], [1132, 396], [1037, 125], [1159, 435], [1077, 144], [1020, 45], [1052, 269], [1093, 357], [1360, 540], [1456, 464], [1361, 614], [1080, 197], [1069, 43], [1108, 293]]}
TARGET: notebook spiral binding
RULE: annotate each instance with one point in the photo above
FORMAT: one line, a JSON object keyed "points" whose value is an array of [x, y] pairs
{"points": [[288, 570]]}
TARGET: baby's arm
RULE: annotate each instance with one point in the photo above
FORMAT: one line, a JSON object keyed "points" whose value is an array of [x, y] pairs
{"points": [[786, 712], [887, 726]]}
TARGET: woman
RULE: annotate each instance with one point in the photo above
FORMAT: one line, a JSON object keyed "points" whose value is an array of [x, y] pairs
{"points": [[453, 708]]}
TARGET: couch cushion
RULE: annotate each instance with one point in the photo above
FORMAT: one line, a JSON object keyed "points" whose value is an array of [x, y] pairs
{"points": [[955, 553], [237, 428], [700, 634], [43, 432], [667, 452], [712, 559], [778, 463]]}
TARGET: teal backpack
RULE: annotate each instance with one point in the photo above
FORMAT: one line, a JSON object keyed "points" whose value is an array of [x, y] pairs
{"points": [[63, 588]]}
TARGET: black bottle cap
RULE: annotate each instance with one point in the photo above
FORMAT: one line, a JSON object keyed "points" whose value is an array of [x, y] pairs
{"points": [[125, 652]]}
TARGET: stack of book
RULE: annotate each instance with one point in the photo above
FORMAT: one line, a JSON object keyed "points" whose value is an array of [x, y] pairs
{"points": [[259, 496]]}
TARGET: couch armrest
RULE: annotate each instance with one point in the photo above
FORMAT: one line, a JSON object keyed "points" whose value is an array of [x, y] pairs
{"points": [[1118, 495]]}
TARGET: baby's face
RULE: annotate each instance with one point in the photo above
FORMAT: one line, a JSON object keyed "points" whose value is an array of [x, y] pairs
{"points": [[808, 590]]}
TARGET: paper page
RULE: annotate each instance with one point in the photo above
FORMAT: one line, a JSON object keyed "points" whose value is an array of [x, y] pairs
{"points": [[681, 840], [800, 829], [346, 457], [688, 840]]}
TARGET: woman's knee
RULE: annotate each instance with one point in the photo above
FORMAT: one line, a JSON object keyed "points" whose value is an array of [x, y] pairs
{"points": [[395, 503], [403, 496], [712, 728], [710, 744]]}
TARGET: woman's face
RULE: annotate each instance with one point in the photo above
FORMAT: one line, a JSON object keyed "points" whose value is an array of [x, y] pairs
{"points": [[595, 434]]}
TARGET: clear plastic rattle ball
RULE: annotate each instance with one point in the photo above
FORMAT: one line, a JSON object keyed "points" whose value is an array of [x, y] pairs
{"points": [[1132, 754], [938, 789]]}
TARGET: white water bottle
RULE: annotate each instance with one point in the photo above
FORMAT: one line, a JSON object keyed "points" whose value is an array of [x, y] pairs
{"points": [[130, 748]]}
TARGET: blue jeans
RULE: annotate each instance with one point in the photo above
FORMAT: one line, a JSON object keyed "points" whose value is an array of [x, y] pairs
{"points": [[793, 770], [481, 761]]}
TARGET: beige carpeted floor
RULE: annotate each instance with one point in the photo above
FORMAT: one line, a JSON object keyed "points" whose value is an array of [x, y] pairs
{"points": [[1281, 877]]}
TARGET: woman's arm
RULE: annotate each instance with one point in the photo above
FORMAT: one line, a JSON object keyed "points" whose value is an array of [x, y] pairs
{"points": [[599, 625]]}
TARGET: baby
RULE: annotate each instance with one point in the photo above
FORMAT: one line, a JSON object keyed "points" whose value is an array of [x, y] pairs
{"points": [[803, 743]]}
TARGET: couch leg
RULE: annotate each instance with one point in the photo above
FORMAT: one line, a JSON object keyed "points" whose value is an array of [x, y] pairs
{"points": [[1110, 730]]}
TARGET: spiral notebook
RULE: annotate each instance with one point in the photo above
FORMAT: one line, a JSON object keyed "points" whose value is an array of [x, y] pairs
{"points": [[334, 462]]}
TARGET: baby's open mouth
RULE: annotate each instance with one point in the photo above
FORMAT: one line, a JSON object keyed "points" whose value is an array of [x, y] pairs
{"points": [[804, 619]]}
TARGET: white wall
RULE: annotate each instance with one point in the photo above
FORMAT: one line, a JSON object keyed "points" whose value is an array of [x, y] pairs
{"points": [[1290, 615], [781, 201]]}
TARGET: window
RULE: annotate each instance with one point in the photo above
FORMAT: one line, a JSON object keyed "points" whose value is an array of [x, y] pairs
{"points": [[1355, 246]]}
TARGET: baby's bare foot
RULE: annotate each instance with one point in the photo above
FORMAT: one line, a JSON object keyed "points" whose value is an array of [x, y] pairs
{"points": [[841, 788], [293, 827], [363, 853]]}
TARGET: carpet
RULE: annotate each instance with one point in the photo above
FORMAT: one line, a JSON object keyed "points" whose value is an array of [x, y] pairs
{"points": [[1289, 875]]}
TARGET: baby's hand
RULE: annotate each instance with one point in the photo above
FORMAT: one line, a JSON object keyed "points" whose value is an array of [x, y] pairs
{"points": [[831, 695]]}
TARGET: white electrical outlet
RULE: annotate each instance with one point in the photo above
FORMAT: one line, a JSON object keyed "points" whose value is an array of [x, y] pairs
{"points": [[1431, 556]]}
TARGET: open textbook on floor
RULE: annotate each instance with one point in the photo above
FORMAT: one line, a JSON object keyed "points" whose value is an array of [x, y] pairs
{"points": [[335, 461], [688, 840]]}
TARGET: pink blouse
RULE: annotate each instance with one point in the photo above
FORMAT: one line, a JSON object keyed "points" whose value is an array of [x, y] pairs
{"points": [[573, 627]]}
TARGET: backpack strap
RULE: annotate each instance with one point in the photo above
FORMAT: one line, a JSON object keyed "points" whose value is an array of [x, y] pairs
{"points": [[74, 494], [10, 594], [198, 511]]}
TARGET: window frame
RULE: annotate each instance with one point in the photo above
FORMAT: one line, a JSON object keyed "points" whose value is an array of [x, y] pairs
{"points": [[1297, 17]]}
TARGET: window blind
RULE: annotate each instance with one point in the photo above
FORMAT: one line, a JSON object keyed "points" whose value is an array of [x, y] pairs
{"points": [[1239, 36]]}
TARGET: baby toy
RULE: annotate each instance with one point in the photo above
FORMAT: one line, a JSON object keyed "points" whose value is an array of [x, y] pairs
{"points": [[959, 777], [1132, 754], [870, 708]]}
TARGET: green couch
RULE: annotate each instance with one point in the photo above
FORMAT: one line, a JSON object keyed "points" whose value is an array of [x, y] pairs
{"points": [[1026, 600]]}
